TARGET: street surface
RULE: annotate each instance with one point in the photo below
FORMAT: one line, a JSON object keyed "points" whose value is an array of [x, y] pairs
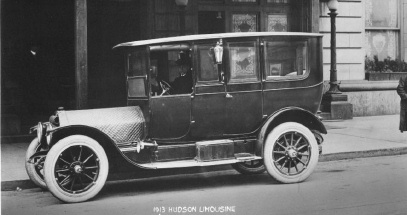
{"points": [[368, 186]]}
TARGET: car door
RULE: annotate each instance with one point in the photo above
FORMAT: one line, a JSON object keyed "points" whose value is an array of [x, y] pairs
{"points": [[208, 102], [170, 111], [243, 103]]}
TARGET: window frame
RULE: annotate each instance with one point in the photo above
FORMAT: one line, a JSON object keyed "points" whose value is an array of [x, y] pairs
{"points": [[398, 31], [292, 9], [197, 64], [227, 62], [266, 18], [257, 14], [285, 78], [144, 76], [167, 48]]}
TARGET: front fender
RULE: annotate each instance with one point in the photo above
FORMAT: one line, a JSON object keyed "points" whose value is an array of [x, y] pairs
{"points": [[112, 150], [289, 114]]}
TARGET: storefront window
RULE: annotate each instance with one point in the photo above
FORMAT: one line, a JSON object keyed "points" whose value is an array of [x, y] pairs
{"points": [[254, 15], [381, 13], [382, 44], [244, 22], [382, 29], [277, 23]]}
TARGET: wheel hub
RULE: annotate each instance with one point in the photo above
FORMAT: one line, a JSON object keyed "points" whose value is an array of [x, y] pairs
{"points": [[292, 153], [78, 169]]}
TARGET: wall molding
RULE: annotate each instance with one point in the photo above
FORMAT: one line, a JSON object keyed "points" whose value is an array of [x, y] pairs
{"points": [[364, 85]]}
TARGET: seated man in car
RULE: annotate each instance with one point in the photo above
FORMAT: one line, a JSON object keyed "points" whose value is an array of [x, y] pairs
{"points": [[183, 83]]}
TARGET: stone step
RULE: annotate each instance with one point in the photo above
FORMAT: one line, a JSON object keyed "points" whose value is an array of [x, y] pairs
{"points": [[325, 115]]}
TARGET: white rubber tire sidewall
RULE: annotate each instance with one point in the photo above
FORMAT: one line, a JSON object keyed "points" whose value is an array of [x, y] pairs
{"points": [[269, 145], [30, 168], [52, 157]]}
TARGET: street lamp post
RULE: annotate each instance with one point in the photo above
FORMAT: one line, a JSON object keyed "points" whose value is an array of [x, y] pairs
{"points": [[182, 4], [334, 104], [333, 79]]}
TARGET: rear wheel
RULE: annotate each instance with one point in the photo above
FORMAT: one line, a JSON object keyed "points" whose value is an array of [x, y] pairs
{"points": [[34, 168], [290, 153], [250, 167], [76, 169]]}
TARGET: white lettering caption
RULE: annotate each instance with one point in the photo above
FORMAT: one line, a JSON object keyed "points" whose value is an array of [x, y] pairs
{"points": [[194, 209]]}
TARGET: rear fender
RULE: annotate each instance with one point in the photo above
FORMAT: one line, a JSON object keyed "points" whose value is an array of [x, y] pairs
{"points": [[290, 114]]}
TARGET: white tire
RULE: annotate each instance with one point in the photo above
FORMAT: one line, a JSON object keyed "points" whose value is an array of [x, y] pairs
{"points": [[290, 153], [76, 169], [35, 168]]}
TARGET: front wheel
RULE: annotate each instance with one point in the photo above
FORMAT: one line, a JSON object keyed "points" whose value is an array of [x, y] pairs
{"points": [[76, 169], [290, 153]]}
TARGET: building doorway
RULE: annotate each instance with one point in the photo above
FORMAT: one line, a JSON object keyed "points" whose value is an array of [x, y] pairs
{"points": [[210, 22], [109, 23], [37, 61]]}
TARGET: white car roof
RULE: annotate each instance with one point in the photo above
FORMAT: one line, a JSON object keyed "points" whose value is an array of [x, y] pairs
{"points": [[213, 36]]}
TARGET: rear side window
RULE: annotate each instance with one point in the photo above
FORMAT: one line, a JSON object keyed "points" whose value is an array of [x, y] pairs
{"points": [[286, 59], [243, 61]]}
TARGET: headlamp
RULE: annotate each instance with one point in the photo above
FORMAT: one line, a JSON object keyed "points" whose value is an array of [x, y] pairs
{"points": [[40, 132]]}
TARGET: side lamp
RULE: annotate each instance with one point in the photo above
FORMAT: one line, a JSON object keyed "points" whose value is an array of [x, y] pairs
{"points": [[218, 52]]}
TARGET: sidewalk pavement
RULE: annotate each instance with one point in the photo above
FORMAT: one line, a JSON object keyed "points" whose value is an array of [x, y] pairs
{"points": [[346, 139]]}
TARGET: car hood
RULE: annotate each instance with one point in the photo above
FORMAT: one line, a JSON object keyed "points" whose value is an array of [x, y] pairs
{"points": [[122, 124]]}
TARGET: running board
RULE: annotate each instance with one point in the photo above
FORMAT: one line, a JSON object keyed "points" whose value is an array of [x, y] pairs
{"points": [[195, 163]]}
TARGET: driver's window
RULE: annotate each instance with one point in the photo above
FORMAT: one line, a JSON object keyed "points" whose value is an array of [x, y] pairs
{"points": [[170, 70]]}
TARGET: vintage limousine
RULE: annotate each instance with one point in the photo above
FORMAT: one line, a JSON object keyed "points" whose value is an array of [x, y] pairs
{"points": [[246, 99]]}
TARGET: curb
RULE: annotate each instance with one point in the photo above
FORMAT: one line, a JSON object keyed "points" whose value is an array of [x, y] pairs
{"points": [[363, 154], [16, 185], [27, 184]]}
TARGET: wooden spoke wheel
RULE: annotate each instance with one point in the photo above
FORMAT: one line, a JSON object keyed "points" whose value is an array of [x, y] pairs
{"points": [[76, 169], [290, 153]]}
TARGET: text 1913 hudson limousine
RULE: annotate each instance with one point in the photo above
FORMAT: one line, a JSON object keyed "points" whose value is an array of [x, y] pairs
{"points": [[246, 99]]}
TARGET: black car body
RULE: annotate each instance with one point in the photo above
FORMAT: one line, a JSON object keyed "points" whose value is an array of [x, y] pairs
{"points": [[246, 99]]}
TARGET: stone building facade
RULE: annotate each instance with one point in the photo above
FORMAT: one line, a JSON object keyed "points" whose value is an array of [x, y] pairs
{"points": [[82, 71]]}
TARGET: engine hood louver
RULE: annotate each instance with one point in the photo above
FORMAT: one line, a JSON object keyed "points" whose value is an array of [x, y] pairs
{"points": [[122, 124]]}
